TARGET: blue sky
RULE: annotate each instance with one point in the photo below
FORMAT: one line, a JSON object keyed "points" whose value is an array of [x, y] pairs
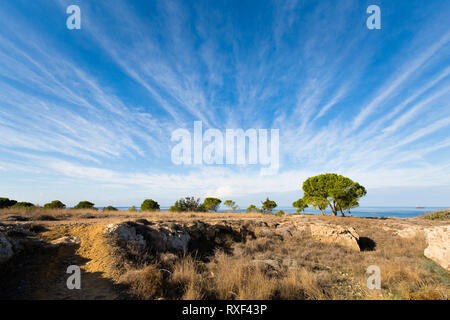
{"points": [[88, 114]]}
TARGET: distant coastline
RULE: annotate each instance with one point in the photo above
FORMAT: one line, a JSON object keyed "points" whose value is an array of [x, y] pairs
{"points": [[381, 212]]}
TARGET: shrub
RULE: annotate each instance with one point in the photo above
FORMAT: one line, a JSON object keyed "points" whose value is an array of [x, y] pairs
{"points": [[20, 205], [300, 205], [438, 215], [187, 204], [280, 213], [149, 205], [110, 208], [268, 205], [231, 204], [6, 203], [132, 209], [55, 205], [252, 208], [211, 204], [175, 208], [84, 205]]}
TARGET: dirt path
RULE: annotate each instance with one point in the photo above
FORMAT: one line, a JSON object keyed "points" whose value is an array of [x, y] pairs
{"points": [[41, 275]]}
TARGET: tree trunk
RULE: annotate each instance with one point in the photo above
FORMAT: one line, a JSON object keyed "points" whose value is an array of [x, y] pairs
{"points": [[333, 209]]}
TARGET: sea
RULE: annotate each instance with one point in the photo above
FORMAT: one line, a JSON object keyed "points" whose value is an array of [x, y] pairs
{"points": [[381, 212]]}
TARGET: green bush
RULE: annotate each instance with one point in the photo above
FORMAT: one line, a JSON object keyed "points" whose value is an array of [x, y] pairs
{"points": [[187, 204], [149, 205], [211, 204], [84, 205], [175, 208], [231, 204], [280, 213], [56, 204], [21, 205], [110, 208], [268, 205], [252, 208], [132, 209], [300, 205], [6, 203], [438, 215]]}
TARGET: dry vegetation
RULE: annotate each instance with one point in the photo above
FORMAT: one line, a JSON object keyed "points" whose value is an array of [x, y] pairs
{"points": [[304, 268], [438, 215]]}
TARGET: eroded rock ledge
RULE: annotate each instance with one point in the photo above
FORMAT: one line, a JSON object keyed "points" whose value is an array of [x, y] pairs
{"points": [[438, 239], [204, 237]]}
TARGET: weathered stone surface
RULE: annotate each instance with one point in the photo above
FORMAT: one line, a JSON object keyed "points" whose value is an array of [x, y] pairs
{"points": [[159, 238], [265, 232], [126, 234], [291, 230], [71, 241], [438, 249], [345, 236], [6, 250]]}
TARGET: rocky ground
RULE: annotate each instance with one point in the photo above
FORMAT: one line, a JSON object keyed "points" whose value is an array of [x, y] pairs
{"points": [[220, 256]]}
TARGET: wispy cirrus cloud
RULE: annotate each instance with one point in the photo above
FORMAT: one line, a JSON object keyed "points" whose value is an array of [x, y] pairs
{"points": [[100, 104]]}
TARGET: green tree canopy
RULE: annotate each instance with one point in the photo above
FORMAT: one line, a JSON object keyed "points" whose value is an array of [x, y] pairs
{"points": [[187, 204], [300, 205], [84, 205], [252, 208], [268, 205], [333, 190], [211, 204], [316, 203], [56, 204], [6, 203], [20, 205], [110, 208], [231, 204], [149, 205]]}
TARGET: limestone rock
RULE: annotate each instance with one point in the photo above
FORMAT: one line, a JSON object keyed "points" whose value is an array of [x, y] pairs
{"points": [[71, 241], [345, 236], [438, 249], [126, 234], [265, 232], [159, 238]]}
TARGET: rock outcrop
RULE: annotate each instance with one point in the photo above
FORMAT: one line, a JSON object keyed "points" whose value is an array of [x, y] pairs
{"points": [[159, 238], [17, 238], [204, 238], [6, 250], [344, 236], [125, 234], [323, 232], [438, 249], [69, 241]]}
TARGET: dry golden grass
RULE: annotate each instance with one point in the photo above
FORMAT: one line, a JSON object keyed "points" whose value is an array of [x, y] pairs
{"points": [[308, 269], [145, 283]]}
